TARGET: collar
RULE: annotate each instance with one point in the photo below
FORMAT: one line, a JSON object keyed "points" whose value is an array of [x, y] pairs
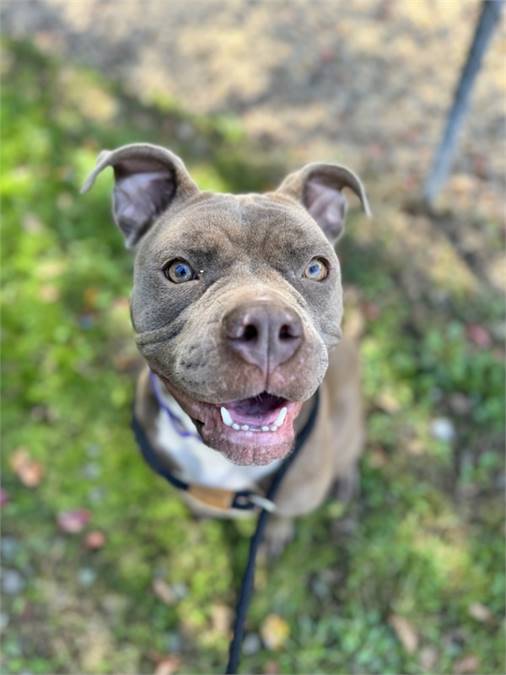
{"points": [[224, 500]]}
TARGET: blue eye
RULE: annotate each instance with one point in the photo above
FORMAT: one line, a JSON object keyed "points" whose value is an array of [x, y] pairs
{"points": [[316, 270], [179, 271]]}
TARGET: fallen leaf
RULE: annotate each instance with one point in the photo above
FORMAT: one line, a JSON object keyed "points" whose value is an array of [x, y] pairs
{"points": [[274, 631], [90, 296], [163, 591], [404, 630], [468, 664], [460, 403], [371, 310], [4, 497], [73, 522], [377, 458], [221, 618], [28, 471], [168, 666], [428, 657], [49, 293], [94, 540], [480, 612], [388, 402], [271, 668], [478, 335]]}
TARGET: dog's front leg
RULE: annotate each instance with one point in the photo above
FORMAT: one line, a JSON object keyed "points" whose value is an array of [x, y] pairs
{"points": [[278, 533]]}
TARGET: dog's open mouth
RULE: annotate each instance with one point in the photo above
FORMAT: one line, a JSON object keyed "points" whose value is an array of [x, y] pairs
{"points": [[260, 414], [254, 430]]}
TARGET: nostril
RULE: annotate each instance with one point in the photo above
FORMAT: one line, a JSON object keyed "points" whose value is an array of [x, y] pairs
{"points": [[285, 332], [288, 332], [250, 333]]}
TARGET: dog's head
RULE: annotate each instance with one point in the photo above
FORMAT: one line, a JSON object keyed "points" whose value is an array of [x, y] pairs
{"points": [[237, 298]]}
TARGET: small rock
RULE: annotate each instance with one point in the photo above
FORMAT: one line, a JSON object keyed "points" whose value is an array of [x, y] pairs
{"points": [[180, 590], [442, 428], [251, 644], [460, 403], [9, 548], [468, 664], [86, 576], [96, 495], [91, 470], [174, 642], [4, 621], [12, 582], [92, 450]]}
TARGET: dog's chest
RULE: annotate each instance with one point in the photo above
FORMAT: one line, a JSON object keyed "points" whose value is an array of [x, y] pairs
{"points": [[198, 463]]}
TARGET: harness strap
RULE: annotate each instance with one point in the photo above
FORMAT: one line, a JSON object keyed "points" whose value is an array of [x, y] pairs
{"points": [[244, 500]]}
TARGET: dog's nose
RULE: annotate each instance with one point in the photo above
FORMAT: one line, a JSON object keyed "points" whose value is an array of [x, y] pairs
{"points": [[263, 334]]}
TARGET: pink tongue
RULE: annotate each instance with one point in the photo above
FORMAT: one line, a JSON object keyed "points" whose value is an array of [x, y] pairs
{"points": [[257, 410]]}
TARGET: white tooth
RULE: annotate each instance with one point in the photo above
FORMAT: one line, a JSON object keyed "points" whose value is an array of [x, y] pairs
{"points": [[245, 427], [226, 416], [274, 427], [281, 417], [265, 428], [235, 426]]}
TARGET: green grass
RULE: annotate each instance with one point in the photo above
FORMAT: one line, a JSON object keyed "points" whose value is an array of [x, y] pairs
{"points": [[424, 540]]}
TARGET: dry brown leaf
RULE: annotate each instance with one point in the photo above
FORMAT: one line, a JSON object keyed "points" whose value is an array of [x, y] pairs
{"points": [[480, 612], [387, 400], [221, 617], [73, 522], [271, 668], [428, 657], [168, 666], [4, 497], [49, 293], [404, 630], [90, 296], [28, 471], [479, 335], [163, 591], [94, 540], [468, 664], [274, 631]]}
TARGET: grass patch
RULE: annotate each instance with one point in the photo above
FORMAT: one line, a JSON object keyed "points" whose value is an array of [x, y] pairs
{"points": [[424, 540]]}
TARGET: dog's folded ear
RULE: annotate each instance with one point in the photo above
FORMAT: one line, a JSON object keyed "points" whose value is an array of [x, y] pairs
{"points": [[148, 180], [319, 188]]}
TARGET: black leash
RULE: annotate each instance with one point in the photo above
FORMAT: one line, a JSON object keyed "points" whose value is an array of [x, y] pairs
{"points": [[242, 500], [241, 609]]}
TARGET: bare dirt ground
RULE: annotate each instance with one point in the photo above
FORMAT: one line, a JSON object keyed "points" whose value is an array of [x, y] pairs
{"points": [[367, 81]]}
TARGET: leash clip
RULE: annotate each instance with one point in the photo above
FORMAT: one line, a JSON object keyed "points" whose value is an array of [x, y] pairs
{"points": [[263, 502]]}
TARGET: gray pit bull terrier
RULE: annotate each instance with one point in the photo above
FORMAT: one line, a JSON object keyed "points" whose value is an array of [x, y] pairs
{"points": [[236, 308]]}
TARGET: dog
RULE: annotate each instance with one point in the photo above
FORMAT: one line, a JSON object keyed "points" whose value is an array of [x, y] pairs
{"points": [[237, 308]]}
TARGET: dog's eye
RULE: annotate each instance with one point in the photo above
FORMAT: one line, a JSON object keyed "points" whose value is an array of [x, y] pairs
{"points": [[316, 270], [179, 271]]}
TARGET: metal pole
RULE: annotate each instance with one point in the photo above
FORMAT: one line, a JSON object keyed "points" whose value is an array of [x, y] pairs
{"points": [[489, 18]]}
